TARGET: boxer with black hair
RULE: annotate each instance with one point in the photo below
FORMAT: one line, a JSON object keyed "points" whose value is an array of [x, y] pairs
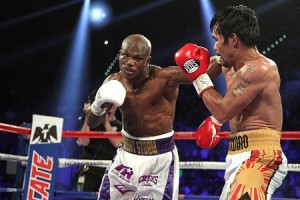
{"points": [[256, 164]]}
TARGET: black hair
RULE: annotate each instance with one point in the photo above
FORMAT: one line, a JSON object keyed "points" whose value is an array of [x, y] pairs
{"points": [[240, 20]]}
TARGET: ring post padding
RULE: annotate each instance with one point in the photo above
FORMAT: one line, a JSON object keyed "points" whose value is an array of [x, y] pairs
{"points": [[45, 140]]}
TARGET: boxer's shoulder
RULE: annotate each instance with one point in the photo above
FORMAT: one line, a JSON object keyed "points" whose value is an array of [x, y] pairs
{"points": [[168, 71], [115, 76]]}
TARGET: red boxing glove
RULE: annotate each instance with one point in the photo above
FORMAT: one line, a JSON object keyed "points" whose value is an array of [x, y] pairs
{"points": [[194, 61], [207, 133]]}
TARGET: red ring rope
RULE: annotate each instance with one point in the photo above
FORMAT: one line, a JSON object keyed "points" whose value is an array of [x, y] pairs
{"points": [[286, 135]]}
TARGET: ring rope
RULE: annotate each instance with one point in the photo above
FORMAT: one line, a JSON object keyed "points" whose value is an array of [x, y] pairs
{"points": [[93, 195], [286, 135], [65, 162]]}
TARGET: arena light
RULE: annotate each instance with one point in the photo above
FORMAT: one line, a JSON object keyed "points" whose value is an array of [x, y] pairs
{"points": [[142, 9], [100, 14], [16, 54], [112, 64], [208, 12], [269, 6], [73, 81], [37, 14], [273, 45], [74, 84]]}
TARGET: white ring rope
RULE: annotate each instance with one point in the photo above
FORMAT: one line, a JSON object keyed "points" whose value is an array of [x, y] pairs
{"points": [[65, 162]]}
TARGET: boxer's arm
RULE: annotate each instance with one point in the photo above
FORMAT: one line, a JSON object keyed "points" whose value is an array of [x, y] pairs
{"points": [[174, 75], [104, 99], [207, 133], [177, 76], [110, 93], [249, 81], [194, 61]]}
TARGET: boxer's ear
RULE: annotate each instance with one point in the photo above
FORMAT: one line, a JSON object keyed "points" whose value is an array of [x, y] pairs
{"points": [[149, 60], [235, 40]]}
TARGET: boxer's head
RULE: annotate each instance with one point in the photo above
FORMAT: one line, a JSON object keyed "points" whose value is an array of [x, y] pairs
{"points": [[238, 20], [135, 56]]}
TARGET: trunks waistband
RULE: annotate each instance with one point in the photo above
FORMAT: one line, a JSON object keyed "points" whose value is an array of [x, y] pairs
{"points": [[148, 147], [260, 139]]}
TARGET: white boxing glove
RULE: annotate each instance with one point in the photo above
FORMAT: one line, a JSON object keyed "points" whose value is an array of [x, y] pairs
{"points": [[111, 92]]}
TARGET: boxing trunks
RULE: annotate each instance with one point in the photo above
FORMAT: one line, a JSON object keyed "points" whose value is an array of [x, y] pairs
{"points": [[143, 169], [255, 165]]}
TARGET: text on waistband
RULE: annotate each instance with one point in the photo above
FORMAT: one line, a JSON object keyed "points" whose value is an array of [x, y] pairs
{"points": [[237, 143]]}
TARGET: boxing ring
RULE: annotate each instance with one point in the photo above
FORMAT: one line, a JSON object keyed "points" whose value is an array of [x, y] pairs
{"points": [[65, 162]]}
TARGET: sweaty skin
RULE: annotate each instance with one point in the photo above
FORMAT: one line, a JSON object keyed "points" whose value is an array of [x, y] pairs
{"points": [[151, 91], [252, 100], [255, 163]]}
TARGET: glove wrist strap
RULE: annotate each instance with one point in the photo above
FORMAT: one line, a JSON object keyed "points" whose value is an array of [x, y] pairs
{"points": [[97, 111], [214, 120], [202, 83]]}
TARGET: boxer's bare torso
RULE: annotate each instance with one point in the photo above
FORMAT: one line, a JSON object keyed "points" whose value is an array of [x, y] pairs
{"points": [[261, 79], [149, 106], [151, 91]]}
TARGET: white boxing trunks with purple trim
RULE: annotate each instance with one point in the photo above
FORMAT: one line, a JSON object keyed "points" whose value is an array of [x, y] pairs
{"points": [[143, 169]]}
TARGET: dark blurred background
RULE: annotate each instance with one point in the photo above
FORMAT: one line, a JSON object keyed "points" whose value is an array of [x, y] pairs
{"points": [[51, 57]]}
